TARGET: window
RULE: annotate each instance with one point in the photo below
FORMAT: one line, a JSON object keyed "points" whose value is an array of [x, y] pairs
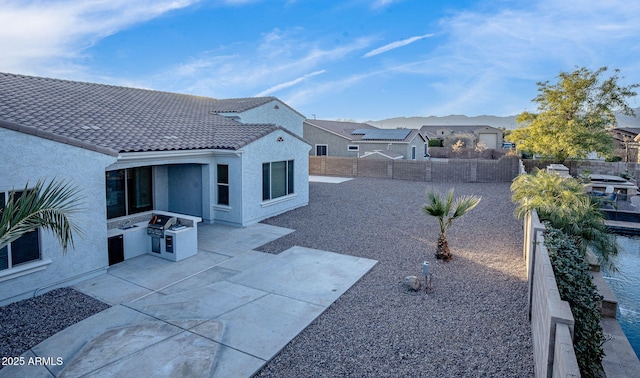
{"points": [[321, 149], [277, 179], [223, 184], [353, 147], [413, 152], [24, 250], [129, 191]]}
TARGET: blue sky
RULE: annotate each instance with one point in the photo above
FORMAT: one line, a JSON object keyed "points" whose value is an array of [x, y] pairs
{"points": [[354, 59]]}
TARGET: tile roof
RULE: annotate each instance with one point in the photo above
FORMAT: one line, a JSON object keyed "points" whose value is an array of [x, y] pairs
{"points": [[355, 131], [344, 129], [239, 105], [432, 130], [116, 119]]}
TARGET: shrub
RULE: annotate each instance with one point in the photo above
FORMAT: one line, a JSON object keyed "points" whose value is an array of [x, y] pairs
{"points": [[575, 286], [564, 203], [435, 143]]}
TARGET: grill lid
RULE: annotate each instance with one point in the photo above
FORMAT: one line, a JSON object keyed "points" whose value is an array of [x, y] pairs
{"points": [[160, 221]]}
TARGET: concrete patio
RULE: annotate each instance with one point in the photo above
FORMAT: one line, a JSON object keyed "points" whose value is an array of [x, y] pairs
{"points": [[224, 312]]}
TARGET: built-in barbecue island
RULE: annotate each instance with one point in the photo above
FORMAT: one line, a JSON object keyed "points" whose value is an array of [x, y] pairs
{"points": [[163, 234]]}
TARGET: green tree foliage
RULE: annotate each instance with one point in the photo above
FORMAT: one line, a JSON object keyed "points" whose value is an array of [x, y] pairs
{"points": [[48, 206], [565, 205], [446, 209], [573, 115]]}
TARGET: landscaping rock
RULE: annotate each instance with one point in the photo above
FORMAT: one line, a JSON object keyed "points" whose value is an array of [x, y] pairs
{"points": [[412, 283]]}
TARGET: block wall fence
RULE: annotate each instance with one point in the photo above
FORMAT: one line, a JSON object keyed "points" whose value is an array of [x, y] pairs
{"points": [[442, 170]]}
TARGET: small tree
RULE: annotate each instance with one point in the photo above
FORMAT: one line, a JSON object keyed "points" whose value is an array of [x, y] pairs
{"points": [[446, 209], [457, 146], [574, 115], [481, 147], [48, 206]]}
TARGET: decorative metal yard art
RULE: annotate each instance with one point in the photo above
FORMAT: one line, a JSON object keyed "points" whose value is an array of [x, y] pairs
{"points": [[446, 209]]}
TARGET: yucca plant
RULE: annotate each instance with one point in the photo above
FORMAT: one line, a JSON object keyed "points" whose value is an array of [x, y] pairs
{"points": [[446, 209], [49, 206]]}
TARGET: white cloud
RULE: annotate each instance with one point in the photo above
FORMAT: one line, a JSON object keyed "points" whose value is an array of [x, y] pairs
{"points": [[383, 3], [395, 45], [288, 84], [487, 57], [280, 60], [35, 32]]}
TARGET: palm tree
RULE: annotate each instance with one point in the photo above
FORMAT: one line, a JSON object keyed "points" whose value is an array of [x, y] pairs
{"points": [[441, 208], [564, 203], [48, 206]]}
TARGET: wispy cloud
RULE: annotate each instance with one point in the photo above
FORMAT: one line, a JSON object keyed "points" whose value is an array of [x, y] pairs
{"points": [[281, 59], [383, 3], [288, 84], [35, 31], [395, 45], [492, 56]]}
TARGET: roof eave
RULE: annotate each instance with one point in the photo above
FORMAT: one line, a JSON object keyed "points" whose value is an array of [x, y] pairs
{"points": [[57, 138]]}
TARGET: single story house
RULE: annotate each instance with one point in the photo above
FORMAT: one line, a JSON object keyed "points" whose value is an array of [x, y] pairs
{"points": [[353, 139], [490, 136], [136, 152]]}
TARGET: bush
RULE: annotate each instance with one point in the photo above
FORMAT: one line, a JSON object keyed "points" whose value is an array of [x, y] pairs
{"points": [[435, 143], [575, 286]]}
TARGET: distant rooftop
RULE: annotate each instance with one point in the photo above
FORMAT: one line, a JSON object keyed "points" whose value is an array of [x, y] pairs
{"points": [[356, 131]]}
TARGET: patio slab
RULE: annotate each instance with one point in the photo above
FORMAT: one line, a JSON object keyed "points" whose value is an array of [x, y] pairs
{"points": [[306, 274], [213, 314]]}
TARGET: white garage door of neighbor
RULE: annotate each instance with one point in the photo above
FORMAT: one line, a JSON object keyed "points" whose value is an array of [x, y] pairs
{"points": [[490, 140]]}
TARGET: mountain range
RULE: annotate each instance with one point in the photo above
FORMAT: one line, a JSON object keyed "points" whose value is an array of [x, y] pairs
{"points": [[508, 122]]}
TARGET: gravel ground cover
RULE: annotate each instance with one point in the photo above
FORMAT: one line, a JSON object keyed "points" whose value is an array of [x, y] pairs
{"points": [[26, 323], [473, 323]]}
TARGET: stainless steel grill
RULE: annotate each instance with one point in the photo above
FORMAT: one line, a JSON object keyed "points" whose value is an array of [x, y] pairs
{"points": [[159, 224]]}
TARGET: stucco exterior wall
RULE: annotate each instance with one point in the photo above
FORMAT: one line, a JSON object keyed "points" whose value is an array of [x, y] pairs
{"points": [[269, 149], [275, 112], [231, 214], [337, 145], [28, 158]]}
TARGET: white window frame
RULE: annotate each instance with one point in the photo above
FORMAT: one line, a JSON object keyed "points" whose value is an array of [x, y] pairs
{"points": [[353, 147], [222, 184], [414, 152], [289, 184], [322, 145]]}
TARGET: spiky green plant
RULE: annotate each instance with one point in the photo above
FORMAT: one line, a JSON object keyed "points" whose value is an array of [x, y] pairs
{"points": [[446, 209], [564, 203], [49, 206]]}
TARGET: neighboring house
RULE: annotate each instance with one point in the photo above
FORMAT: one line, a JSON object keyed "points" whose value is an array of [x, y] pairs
{"points": [[490, 136], [626, 142], [352, 139], [135, 151]]}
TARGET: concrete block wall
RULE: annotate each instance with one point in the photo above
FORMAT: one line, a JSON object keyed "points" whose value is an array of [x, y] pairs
{"points": [[442, 170], [411, 170], [566, 365], [549, 314]]}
